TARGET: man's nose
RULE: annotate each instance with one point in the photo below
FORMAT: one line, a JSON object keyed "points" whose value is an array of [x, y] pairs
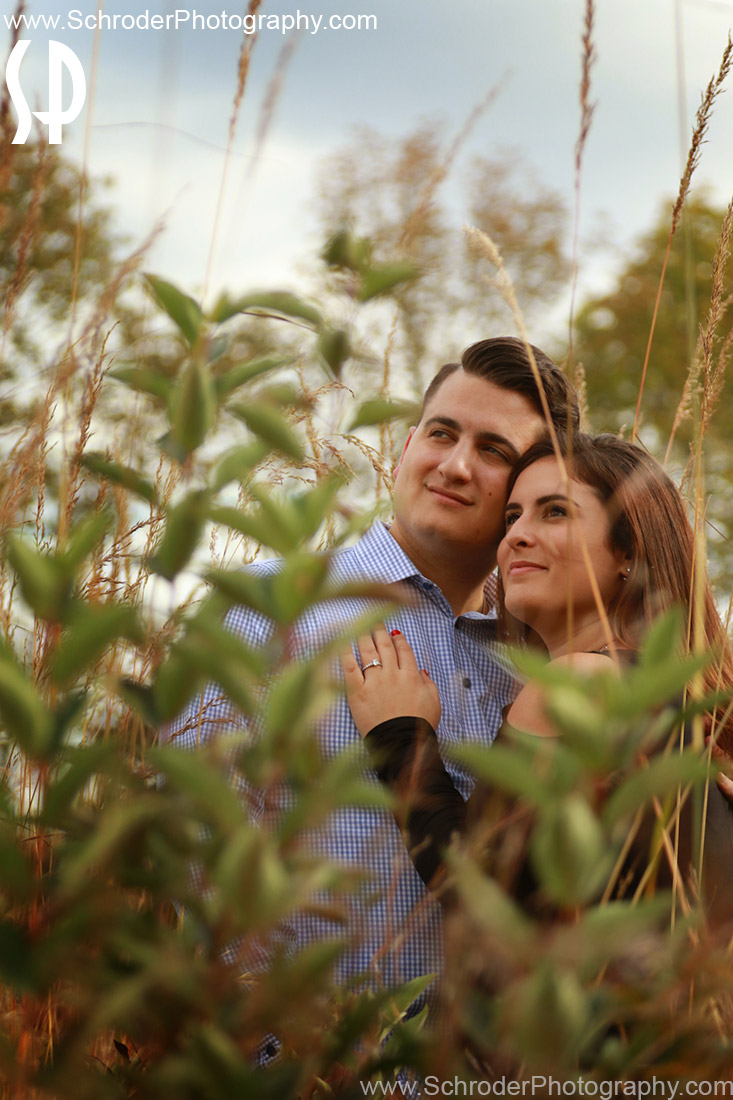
{"points": [[456, 465]]}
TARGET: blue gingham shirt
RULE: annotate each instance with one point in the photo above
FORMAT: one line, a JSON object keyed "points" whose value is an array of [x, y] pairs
{"points": [[395, 927]]}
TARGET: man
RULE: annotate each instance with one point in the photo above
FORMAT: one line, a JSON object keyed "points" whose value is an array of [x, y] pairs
{"points": [[449, 493]]}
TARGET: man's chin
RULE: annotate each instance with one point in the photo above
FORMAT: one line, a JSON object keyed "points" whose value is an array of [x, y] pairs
{"points": [[454, 538]]}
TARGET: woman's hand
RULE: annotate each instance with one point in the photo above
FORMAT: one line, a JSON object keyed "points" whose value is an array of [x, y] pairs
{"points": [[395, 689]]}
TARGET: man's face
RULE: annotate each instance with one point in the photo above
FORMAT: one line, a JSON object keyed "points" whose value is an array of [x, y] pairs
{"points": [[451, 481]]}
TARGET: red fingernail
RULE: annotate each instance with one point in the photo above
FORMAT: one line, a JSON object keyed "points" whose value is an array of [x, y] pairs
{"points": [[393, 632], [426, 672]]}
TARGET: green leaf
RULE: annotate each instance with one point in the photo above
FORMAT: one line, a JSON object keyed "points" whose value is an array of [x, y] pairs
{"points": [[176, 682], [24, 714], [378, 410], [569, 851], [193, 407], [184, 525], [273, 301], [649, 689], [383, 279], [268, 423], [141, 698], [344, 249], [334, 349], [574, 712], [114, 829], [78, 768], [403, 996], [182, 310], [662, 776], [16, 957], [254, 526], [92, 628], [237, 376], [280, 518], [246, 589], [551, 1016], [44, 581], [17, 877], [143, 380], [84, 537], [507, 767], [313, 506], [203, 782], [488, 904], [300, 583], [663, 640], [207, 652], [239, 464], [125, 476]]}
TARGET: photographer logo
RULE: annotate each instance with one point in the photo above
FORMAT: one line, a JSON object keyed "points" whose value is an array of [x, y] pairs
{"points": [[60, 57]]}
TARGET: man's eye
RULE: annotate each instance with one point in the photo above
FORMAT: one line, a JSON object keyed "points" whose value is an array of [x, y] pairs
{"points": [[439, 433], [496, 452]]}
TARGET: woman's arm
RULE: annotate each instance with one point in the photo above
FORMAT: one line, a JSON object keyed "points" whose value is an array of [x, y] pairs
{"points": [[429, 808]]}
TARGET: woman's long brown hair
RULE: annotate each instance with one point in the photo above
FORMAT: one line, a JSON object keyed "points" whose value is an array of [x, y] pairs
{"points": [[649, 524]]}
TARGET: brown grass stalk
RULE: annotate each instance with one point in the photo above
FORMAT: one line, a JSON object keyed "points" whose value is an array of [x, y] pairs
{"points": [[483, 246], [84, 167], [702, 119], [245, 57], [441, 172], [587, 110], [713, 374], [27, 237]]}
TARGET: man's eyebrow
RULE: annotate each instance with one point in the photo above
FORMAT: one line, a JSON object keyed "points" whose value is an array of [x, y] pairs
{"points": [[482, 437]]}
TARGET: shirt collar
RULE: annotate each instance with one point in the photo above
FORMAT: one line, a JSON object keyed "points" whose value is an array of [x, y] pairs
{"points": [[378, 557]]}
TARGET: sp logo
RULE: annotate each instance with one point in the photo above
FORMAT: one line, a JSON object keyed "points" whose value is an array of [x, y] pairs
{"points": [[59, 57]]}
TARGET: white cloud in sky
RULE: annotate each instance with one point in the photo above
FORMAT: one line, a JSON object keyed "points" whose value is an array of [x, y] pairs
{"points": [[163, 101]]}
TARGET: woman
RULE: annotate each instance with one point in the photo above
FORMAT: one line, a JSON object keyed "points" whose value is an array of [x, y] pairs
{"points": [[588, 561]]}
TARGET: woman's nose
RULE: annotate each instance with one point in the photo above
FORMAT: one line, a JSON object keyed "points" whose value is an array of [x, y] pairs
{"points": [[520, 533]]}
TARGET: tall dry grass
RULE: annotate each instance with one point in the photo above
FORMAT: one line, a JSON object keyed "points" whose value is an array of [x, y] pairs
{"points": [[46, 488]]}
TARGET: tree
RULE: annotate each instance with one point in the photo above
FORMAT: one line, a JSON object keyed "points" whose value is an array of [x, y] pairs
{"points": [[389, 190], [612, 331], [47, 254]]}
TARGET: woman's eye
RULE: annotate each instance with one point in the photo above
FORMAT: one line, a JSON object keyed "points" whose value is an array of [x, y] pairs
{"points": [[510, 518], [557, 510]]}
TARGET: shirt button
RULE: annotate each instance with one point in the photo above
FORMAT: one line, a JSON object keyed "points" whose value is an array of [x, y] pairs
{"points": [[466, 682]]}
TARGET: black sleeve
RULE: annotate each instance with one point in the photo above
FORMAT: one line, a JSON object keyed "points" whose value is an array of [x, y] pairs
{"points": [[407, 759]]}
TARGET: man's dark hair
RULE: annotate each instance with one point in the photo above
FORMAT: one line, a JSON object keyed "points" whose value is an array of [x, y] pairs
{"points": [[504, 362]]}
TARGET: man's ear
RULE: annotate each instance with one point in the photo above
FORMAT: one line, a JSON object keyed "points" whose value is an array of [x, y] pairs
{"points": [[410, 434]]}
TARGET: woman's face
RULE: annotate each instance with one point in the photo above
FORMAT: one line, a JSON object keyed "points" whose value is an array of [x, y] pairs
{"points": [[543, 567]]}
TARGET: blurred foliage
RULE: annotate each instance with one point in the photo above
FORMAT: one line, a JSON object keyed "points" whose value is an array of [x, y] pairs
{"points": [[123, 974], [392, 191], [44, 247]]}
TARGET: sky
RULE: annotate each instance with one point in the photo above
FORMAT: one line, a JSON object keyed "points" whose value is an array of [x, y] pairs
{"points": [[159, 103]]}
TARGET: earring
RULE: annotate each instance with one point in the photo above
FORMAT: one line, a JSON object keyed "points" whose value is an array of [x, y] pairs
{"points": [[625, 575]]}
